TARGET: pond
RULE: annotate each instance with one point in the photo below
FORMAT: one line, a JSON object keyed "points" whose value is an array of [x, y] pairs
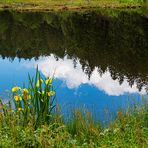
{"points": [[99, 59]]}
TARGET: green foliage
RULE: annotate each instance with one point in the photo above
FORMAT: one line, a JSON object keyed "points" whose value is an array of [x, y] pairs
{"points": [[132, 1], [128, 130]]}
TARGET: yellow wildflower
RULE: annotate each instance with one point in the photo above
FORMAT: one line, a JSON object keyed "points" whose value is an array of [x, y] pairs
{"points": [[19, 109], [16, 88], [48, 81], [51, 93], [39, 82], [27, 96], [17, 97], [25, 90]]}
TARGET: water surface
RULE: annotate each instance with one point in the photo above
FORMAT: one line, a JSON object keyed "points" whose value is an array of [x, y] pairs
{"points": [[98, 60]]}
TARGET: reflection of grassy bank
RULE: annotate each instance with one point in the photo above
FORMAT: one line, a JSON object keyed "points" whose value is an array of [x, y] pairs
{"points": [[68, 4], [34, 124]]}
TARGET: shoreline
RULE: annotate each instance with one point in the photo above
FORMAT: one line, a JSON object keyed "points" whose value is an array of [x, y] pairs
{"points": [[41, 8]]}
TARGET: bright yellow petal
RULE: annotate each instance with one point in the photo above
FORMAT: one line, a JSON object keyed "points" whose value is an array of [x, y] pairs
{"points": [[20, 98], [48, 81], [16, 98], [51, 93], [25, 90], [19, 109], [29, 97], [48, 94], [16, 88]]}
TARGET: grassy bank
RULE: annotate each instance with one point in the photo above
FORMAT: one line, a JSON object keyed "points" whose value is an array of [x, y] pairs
{"points": [[129, 130], [68, 4], [32, 119]]}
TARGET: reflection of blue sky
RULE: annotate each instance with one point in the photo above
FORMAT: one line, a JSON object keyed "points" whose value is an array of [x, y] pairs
{"points": [[72, 86], [63, 69], [12, 73]]}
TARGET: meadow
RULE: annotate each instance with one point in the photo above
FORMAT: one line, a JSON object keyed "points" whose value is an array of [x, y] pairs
{"points": [[69, 4], [32, 118]]}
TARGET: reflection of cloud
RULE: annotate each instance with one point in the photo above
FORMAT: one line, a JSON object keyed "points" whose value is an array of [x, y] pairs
{"points": [[110, 86], [74, 77]]}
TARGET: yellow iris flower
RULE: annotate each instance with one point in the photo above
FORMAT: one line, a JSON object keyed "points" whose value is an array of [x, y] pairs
{"points": [[16, 88], [27, 96], [48, 81], [51, 93], [39, 82], [25, 90], [17, 98]]}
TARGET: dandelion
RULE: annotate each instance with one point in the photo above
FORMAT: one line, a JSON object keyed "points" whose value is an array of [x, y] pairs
{"points": [[48, 81], [16, 88], [51, 93], [39, 83], [17, 98]]}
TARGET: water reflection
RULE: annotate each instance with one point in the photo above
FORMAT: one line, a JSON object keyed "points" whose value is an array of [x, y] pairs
{"points": [[73, 88], [74, 77], [113, 46]]}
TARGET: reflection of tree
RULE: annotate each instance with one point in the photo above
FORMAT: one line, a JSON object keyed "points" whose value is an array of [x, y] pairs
{"points": [[118, 43]]}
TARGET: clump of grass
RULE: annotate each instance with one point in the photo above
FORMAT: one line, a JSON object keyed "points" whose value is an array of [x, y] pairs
{"points": [[33, 120], [129, 129]]}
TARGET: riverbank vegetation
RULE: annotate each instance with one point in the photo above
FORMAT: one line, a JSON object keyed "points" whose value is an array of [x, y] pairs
{"points": [[69, 4], [32, 118]]}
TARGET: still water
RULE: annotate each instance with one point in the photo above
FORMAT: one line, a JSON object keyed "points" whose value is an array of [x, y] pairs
{"points": [[99, 61]]}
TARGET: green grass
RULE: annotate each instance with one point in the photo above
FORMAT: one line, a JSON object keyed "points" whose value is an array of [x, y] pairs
{"points": [[67, 4], [30, 119]]}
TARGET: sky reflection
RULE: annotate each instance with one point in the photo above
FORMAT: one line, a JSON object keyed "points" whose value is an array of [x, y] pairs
{"points": [[74, 77], [73, 89]]}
